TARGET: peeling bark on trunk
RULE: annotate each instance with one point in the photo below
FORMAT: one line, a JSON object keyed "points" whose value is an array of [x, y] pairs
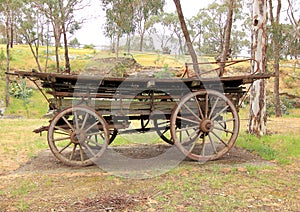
{"points": [[258, 114]]}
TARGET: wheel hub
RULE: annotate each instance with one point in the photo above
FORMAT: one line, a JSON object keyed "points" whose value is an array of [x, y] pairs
{"points": [[206, 125], [78, 137]]}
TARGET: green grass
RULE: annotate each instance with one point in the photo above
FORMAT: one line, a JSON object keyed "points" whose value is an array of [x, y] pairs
{"points": [[278, 147], [18, 140], [34, 107]]}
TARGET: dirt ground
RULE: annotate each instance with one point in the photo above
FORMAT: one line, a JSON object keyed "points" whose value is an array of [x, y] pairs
{"points": [[45, 164]]}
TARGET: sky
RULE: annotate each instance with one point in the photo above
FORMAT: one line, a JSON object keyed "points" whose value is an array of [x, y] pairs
{"points": [[92, 30]]}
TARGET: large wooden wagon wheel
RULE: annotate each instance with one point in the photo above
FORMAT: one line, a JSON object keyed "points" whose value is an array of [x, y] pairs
{"points": [[204, 125], [78, 136]]}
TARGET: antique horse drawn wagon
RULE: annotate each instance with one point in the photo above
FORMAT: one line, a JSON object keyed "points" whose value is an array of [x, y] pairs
{"points": [[198, 114]]}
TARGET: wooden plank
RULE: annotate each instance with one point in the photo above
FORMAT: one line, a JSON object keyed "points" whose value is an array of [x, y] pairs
{"points": [[125, 105]]}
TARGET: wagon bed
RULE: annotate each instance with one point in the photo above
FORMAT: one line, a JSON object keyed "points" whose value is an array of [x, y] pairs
{"points": [[199, 116]]}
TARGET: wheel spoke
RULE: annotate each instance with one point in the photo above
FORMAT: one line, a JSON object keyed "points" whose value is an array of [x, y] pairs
{"points": [[89, 149], [206, 105], [61, 139], [68, 123], [93, 142], [76, 120], [214, 107], [220, 139], [94, 133], [224, 130], [203, 146], [84, 121], [212, 144], [187, 128], [61, 133], [163, 123], [188, 120], [199, 108], [63, 149], [81, 153], [62, 129], [192, 112], [93, 125], [192, 135], [73, 152], [219, 113]]}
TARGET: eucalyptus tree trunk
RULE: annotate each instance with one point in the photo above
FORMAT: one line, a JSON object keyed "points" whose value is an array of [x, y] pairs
{"points": [[275, 26], [7, 23], [67, 58], [258, 113]]}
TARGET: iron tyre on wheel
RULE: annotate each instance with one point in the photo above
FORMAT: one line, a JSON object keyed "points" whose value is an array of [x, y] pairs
{"points": [[204, 125], [78, 136]]}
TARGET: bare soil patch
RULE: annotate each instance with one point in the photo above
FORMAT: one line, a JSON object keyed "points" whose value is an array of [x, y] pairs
{"points": [[45, 162]]}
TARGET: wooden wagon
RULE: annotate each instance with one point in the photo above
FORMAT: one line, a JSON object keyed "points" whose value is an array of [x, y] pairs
{"points": [[197, 114]]}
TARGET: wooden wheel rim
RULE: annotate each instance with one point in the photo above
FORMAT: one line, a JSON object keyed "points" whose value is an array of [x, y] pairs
{"points": [[72, 135], [205, 125]]}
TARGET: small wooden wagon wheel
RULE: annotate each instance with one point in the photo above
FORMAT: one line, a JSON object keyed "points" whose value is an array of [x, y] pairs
{"points": [[204, 125], [78, 136]]}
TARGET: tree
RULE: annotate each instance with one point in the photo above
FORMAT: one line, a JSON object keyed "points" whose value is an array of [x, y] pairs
{"points": [[29, 28], [294, 18], [60, 14], [119, 20], [144, 10], [276, 40], [187, 37], [8, 37], [258, 114], [196, 31], [74, 43], [171, 21], [208, 28]]}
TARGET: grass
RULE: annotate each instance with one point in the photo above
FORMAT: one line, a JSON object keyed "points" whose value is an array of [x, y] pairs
{"points": [[281, 145], [18, 142], [34, 107], [188, 187]]}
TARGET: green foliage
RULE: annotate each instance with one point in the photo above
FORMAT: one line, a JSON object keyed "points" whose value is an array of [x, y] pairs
{"points": [[20, 90], [89, 46], [74, 43], [285, 105], [209, 24], [2, 59], [165, 73]]}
